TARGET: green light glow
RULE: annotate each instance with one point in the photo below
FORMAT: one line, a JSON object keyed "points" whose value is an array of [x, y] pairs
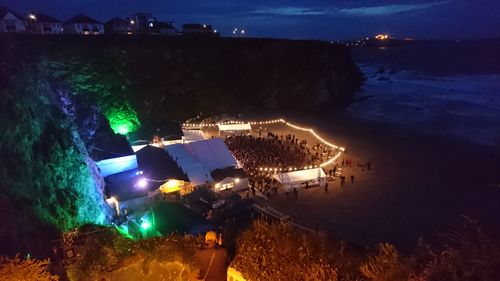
{"points": [[123, 130], [123, 231], [145, 224], [122, 118]]}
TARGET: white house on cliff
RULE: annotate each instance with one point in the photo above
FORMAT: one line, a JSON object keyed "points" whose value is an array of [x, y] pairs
{"points": [[83, 25], [10, 21], [44, 24]]}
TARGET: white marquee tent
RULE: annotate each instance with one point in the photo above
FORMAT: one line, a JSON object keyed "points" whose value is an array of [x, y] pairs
{"points": [[198, 159], [193, 135], [298, 179], [235, 127]]}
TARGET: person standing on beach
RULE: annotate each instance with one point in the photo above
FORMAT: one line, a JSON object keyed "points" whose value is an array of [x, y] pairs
{"points": [[352, 178], [326, 187], [342, 180]]}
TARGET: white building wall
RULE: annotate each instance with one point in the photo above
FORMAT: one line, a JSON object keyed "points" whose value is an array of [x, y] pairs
{"points": [[232, 184], [117, 165], [49, 28]]}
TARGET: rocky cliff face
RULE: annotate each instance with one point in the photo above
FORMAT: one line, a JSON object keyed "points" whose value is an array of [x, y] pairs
{"points": [[48, 181], [156, 78]]}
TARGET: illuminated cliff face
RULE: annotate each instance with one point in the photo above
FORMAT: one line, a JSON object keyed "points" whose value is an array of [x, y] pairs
{"points": [[46, 174], [101, 81]]}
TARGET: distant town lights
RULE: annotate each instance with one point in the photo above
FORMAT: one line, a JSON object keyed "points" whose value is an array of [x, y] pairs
{"points": [[32, 16], [132, 22], [382, 36], [150, 24]]}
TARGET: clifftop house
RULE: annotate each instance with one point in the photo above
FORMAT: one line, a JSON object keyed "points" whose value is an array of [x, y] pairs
{"points": [[140, 23], [163, 28], [10, 21], [43, 24], [84, 25], [117, 26], [191, 29]]}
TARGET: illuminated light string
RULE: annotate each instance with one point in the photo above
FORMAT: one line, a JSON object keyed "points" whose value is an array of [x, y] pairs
{"points": [[281, 120], [151, 180]]}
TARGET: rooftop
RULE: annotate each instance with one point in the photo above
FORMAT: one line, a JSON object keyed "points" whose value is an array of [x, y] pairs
{"points": [[117, 20], [220, 174], [81, 18], [4, 11], [45, 18], [154, 165]]}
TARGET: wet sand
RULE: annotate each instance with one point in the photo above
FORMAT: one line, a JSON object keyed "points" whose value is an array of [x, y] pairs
{"points": [[421, 184]]}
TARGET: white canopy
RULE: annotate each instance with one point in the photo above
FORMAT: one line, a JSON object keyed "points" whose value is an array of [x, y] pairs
{"points": [[235, 127], [117, 165], [298, 178], [198, 159], [193, 135]]}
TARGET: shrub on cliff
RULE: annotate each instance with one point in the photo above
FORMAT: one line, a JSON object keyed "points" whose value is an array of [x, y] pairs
{"points": [[104, 250], [386, 265], [278, 252], [467, 255], [18, 269]]}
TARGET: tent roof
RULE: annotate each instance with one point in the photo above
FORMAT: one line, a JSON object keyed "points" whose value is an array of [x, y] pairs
{"points": [[235, 127], [123, 185], [220, 174], [193, 135], [300, 176], [157, 164], [213, 153], [198, 159]]}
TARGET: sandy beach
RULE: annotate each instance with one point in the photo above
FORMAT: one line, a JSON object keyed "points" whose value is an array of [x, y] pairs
{"points": [[420, 184]]}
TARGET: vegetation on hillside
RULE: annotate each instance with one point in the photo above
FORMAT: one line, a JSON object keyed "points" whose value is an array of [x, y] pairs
{"points": [[18, 269], [277, 251]]}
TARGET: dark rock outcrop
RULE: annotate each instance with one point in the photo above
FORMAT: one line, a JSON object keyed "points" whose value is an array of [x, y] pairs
{"points": [[159, 79]]}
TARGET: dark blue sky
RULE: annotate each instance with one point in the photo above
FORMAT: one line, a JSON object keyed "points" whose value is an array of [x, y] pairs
{"points": [[312, 19]]}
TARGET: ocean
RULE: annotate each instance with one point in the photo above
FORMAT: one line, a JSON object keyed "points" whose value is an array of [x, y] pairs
{"points": [[450, 88]]}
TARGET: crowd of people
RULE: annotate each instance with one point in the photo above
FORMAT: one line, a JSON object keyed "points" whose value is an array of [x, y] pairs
{"points": [[276, 153], [271, 151]]}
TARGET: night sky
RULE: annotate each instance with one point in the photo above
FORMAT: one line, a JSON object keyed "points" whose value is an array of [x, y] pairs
{"points": [[299, 19]]}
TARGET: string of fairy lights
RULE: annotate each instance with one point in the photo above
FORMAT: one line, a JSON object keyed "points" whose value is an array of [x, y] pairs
{"points": [[189, 125]]}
